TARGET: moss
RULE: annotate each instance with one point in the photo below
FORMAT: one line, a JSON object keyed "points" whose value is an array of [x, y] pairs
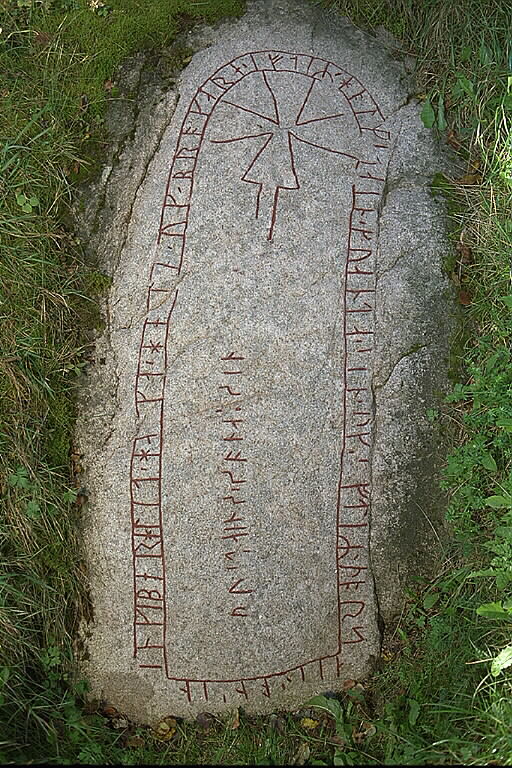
{"points": [[58, 427], [97, 284], [175, 58], [414, 348]]}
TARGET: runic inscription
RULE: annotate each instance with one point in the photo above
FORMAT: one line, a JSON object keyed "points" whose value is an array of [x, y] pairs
{"points": [[225, 457], [288, 119], [236, 531]]}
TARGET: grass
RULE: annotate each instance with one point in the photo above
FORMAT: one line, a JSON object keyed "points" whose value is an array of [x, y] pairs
{"points": [[434, 698]]}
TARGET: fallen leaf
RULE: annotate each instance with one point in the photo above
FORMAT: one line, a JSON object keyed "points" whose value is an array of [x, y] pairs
{"points": [[366, 731], [277, 723], [204, 720], [91, 707], [134, 742], [470, 179], [347, 684], [108, 85], [41, 38], [110, 711], [464, 298], [302, 754], [309, 724], [466, 254], [235, 720], [165, 729], [451, 138], [119, 723]]}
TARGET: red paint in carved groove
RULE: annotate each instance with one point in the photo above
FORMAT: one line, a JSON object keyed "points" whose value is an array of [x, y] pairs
{"points": [[183, 181]]}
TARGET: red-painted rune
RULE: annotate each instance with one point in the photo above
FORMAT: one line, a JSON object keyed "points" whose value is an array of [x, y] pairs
{"points": [[290, 115], [280, 107]]}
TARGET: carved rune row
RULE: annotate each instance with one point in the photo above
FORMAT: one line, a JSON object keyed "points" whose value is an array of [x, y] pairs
{"points": [[358, 264]]}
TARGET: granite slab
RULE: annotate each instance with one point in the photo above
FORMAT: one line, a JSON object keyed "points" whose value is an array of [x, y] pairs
{"points": [[258, 458]]}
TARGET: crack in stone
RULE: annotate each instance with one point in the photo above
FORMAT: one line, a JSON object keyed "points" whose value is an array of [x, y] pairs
{"points": [[123, 146], [143, 176], [383, 202], [395, 365], [398, 259]]}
